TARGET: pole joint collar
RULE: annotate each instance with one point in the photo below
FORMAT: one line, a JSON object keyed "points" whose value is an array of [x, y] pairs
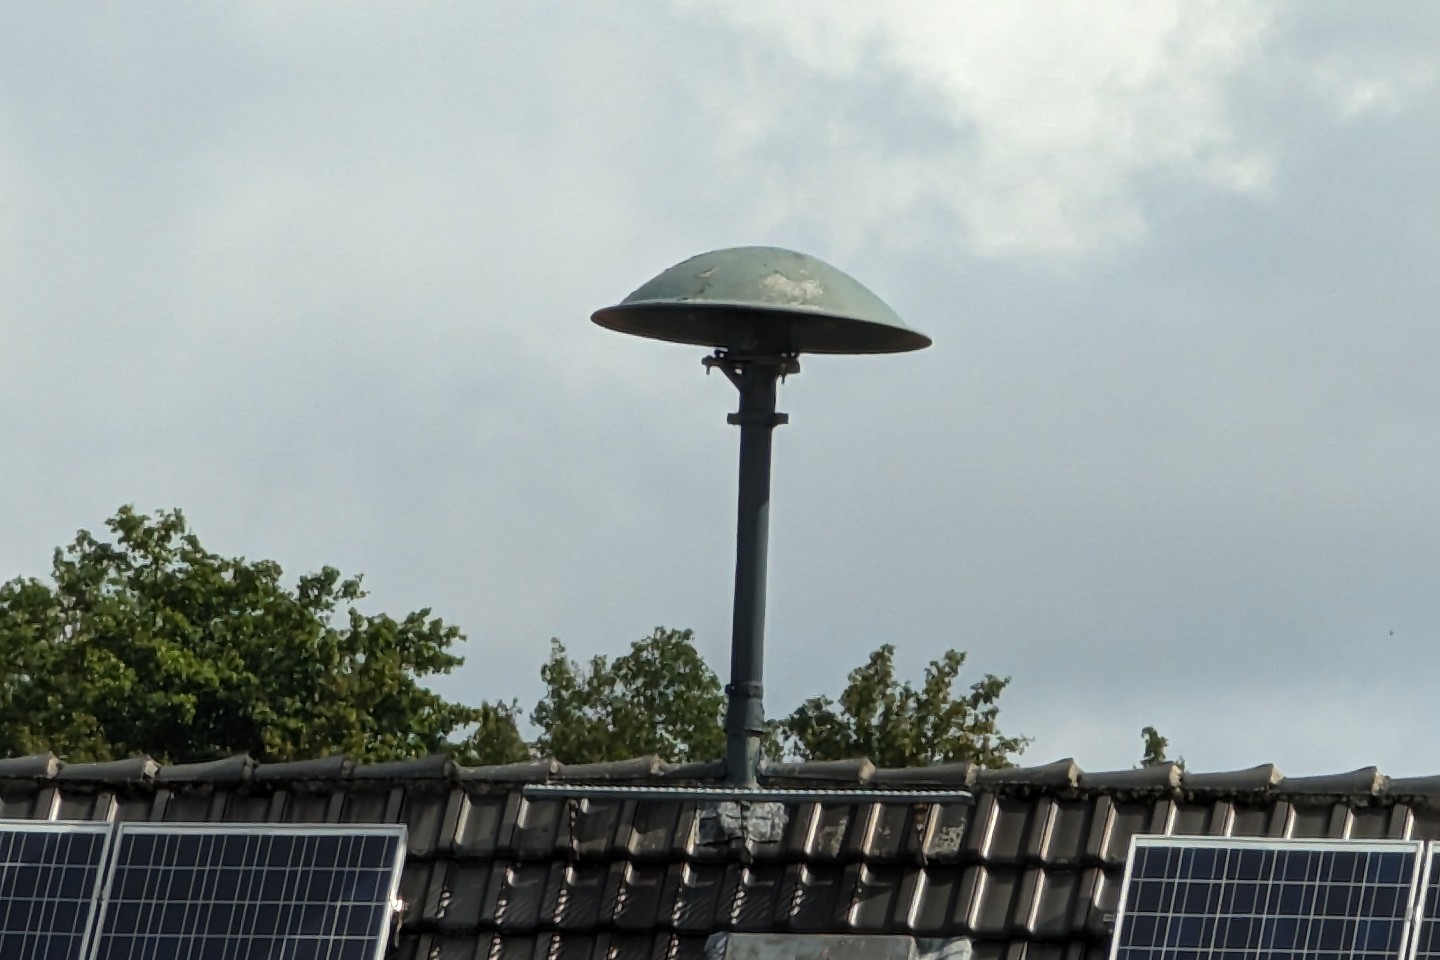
{"points": [[758, 419]]}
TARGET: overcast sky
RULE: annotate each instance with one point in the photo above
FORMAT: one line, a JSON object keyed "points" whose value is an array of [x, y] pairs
{"points": [[321, 274]]}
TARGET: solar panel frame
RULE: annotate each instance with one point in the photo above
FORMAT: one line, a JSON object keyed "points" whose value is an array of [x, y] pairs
{"points": [[1408, 881], [1425, 943], [118, 926], [86, 905]]}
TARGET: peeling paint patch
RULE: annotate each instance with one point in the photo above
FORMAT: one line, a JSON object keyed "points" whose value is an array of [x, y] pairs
{"points": [[793, 291]]}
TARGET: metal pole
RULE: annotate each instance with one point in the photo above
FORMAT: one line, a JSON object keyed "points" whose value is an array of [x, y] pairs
{"points": [[756, 379]]}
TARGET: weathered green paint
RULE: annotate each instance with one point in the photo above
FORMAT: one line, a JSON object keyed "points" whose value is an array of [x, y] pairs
{"points": [[760, 306], [762, 300]]}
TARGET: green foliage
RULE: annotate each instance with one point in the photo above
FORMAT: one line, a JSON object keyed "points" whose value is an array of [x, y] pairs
{"points": [[1155, 747], [660, 699], [152, 644], [146, 642], [496, 738], [897, 725]]}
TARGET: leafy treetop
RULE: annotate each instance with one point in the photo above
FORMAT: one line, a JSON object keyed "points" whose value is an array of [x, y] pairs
{"points": [[149, 643], [146, 642]]}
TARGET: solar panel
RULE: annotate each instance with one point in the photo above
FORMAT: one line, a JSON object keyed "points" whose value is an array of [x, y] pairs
{"points": [[49, 880], [1196, 898], [1427, 930], [204, 891]]}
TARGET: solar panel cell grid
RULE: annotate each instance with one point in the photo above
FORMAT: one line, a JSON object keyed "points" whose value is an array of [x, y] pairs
{"points": [[238, 894], [1232, 899], [49, 878]]}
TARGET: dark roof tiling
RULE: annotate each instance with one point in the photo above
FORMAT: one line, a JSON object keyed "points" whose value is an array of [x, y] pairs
{"points": [[1365, 782], [236, 769], [1059, 775], [333, 767], [1162, 777], [638, 768], [434, 767], [534, 771], [1414, 787], [850, 772], [1028, 867], [953, 776], [1257, 780], [41, 766], [129, 771]]}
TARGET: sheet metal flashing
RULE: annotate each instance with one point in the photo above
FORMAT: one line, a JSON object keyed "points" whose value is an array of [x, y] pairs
{"points": [[801, 946], [760, 794]]}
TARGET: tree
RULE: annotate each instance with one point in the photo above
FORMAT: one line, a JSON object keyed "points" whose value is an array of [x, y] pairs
{"points": [[152, 644], [496, 738], [897, 725], [146, 642], [660, 699], [1156, 747]]}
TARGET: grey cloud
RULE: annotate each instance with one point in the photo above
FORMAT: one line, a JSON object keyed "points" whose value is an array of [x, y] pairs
{"points": [[323, 281]]}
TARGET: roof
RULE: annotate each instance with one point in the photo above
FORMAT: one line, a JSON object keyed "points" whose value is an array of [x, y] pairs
{"points": [[1026, 865]]}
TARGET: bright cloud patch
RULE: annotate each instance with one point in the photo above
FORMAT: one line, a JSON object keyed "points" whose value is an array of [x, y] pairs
{"points": [[1053, 109]]}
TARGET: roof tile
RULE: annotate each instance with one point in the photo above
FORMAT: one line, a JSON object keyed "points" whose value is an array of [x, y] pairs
{"points": [[1032, 868], [639, 768], [485, 822], [703, 896], [536, 771], [333, 767], [1367, 782], [1252, 819], [234, 769], [656, 829], [369, 805], [942, 775], [542, 828], [588, 895], [421, 888], [1059, 775], [84, 805], [638, 897], [464, 904], [934, 914], [757, 906], [999, 911], [131, 770], [523, 890], [436, 766], [41, 766], [1159, 778], [199, 806], [849, 772], [1261, 779], [27, 802], [1063, 836], [429, 820], [1056, 897], [1201, 817]]}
